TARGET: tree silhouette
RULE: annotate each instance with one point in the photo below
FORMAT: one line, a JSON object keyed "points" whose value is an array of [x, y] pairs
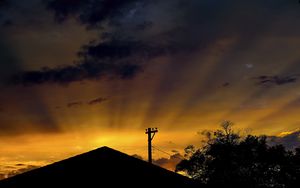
{"points": [[229, 160]]}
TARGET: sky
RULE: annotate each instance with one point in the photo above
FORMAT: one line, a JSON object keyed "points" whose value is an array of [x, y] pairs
{"points": [[80, 74]]}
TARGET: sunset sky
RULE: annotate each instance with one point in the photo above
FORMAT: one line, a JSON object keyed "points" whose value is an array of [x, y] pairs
{"points": [[80, 74]]}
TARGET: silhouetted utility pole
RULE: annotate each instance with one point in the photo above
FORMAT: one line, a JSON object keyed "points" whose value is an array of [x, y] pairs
{"points": [[151, 132]]}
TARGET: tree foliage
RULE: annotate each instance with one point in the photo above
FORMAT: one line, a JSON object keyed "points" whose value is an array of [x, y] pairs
{"points": [[230, 160]]}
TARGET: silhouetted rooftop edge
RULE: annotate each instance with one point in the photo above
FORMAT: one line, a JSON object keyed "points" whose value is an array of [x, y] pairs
{"points": [[102, 166]]}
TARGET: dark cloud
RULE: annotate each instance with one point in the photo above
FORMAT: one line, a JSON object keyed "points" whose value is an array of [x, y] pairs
{"points": [[90, 12], [65, 8], [3, 3], [276, 80], [20, 164], [120, 49], [74, 104], [169, 163], [226, 84], [61, 75], [109, 59], [114, 58], [97, 101], [132, 32], [7, 23], [290, 140], [78, 72], [137, 156]]}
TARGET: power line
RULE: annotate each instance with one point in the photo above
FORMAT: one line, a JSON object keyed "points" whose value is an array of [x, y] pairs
{"points": [[154, 147], [174, 156]]}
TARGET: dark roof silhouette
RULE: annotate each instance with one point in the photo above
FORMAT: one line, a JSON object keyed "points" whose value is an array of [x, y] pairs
{"points": [[103, 167]]}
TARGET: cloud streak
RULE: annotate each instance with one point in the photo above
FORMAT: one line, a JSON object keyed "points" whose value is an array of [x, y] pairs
{"points": [[77, 72], [97, 101], [276, 80], [74, 104], [92, 102], [290, 140]]}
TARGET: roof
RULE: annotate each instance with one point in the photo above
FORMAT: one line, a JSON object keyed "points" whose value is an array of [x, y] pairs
{"points": [[100, 167]]}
